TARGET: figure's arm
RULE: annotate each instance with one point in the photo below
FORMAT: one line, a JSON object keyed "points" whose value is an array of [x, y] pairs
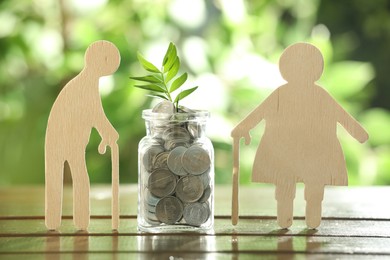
{"points": [[255, 117], [105, 129], [350, 124]]}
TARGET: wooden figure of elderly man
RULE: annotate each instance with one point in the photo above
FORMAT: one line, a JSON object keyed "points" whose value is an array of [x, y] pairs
{"points": [[76, 111], [300, 142]]}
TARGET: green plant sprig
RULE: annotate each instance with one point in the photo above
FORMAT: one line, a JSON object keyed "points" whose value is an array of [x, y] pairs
{"points": [[162, 82]]}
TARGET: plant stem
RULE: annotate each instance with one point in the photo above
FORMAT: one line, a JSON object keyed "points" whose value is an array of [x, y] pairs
{"points": [[165, 86]]}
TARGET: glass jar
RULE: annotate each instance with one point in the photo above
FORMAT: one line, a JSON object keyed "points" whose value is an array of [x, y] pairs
{"points": [[175, 173]]}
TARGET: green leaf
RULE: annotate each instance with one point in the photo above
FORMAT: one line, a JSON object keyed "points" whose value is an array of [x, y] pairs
{"points": [[168, 53], [152, 87], [149, 78], [178, 82], [156, 95], [170, 58], [146, 64], [184, 93], [173, 71]]}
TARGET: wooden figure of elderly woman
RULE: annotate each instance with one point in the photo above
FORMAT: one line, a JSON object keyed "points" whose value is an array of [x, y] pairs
{"points": [[300, 142]]}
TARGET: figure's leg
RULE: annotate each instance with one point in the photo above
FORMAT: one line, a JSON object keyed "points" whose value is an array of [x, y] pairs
{"points": [[80, 181], [54, 174], [313, 196], [285, 194]]}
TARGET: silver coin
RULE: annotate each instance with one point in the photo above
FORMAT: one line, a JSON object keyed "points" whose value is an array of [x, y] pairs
{"points": [[175, 159], [176, 132], [189, 188], [206, 178], [162, 183], [179, 117], [169, 210], [150, 208], [150, 199], [153, 222], [179, 135], [160, 161], [149, 212], [154, 142], [165, 107], [206, 195], [150, 155], [196, 160], [159, 141], [157, 131], [206, 205], [151, 216], [184, 109], [195, 130], [167, 131], [196, 214], [173, 143]]}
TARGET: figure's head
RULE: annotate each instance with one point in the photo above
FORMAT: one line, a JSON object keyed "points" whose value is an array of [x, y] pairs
{"points": [[301, 62], [102, 57]]}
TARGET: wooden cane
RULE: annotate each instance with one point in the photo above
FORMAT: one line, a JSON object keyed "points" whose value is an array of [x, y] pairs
{"points": [[115, 186], [236, 179]]}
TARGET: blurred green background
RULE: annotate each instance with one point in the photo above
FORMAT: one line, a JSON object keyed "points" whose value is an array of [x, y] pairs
{"points": [[230, 49]]}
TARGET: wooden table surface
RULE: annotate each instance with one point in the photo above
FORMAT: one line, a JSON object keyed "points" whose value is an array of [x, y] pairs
{"points": [[355, 224]]}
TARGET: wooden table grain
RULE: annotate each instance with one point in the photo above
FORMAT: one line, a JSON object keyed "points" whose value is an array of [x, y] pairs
{"points": [[355, 224]]}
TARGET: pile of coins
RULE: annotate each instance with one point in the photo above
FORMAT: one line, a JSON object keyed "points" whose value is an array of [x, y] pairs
{"points": [[175, 171]]}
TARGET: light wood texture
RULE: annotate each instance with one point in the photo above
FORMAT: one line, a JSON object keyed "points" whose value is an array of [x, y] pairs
{"points": [[236, 180], [257, 202], [75, 112], [115, 186], [300, 141], [360, 229]]}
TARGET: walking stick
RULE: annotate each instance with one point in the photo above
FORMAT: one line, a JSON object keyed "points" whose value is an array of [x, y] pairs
{"points": [[115, 186], [236, 179]]}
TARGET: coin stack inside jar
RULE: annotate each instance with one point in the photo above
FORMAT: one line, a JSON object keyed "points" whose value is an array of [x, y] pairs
{"points": [[176, 165]]}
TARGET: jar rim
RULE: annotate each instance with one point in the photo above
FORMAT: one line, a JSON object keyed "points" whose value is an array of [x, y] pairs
{"points": [[195, 115]]}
